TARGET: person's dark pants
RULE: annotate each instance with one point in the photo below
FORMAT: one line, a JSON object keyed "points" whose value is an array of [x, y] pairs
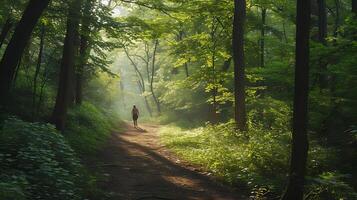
{"points": [[135, 119]]}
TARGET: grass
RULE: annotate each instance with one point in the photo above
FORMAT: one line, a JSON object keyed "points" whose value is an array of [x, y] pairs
{"points": [[257, 160], [89, 127]]}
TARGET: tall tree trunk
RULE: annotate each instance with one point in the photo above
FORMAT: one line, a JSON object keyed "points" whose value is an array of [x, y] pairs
{"points": [[156, 100], [299, 149], [322, 24], [337, 18], [239, 65], [84, 50], [37, 71], [67, 73], [5, 30], [17, 44], [354, 6], [262, 38]]}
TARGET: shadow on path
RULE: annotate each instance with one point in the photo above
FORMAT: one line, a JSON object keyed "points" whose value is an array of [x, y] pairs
{"points": [[138, 168]]}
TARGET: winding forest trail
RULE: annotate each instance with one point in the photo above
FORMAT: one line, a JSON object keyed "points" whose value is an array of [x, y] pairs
{"points": [[138, 167]]}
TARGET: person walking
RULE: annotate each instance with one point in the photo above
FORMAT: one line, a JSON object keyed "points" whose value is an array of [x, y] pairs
{"points": [[135, 114]]}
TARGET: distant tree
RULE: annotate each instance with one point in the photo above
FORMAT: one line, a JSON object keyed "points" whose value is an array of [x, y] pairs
{"points": [[300, 145], [17, 44], [239, 66], [156, 100]]}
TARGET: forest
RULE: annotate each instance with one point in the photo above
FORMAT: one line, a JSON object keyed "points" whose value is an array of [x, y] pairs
{"points": [[236, 99]]}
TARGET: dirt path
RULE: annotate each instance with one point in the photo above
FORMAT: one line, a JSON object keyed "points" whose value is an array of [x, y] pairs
{"points": [[138, 167]]}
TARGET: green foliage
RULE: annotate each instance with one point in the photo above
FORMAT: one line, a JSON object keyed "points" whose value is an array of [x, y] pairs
{"points": [[88, 127], [330, 185], [257, 159], [233, 155], [37, 163]]}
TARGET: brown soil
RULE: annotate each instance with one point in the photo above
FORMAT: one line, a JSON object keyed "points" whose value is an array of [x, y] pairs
{"points": [[138, 167]]}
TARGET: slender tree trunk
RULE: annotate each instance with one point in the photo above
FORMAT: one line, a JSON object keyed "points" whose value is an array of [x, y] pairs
{"points": [[84, 51], [41, 95], [141, 81], [140, 76], [5, 30], [148, 108], [37, 71], [147, 62], [17, 44], [67, 73], [354, 6], [299, 149], [284, 32], [322, 24], [156, 100], [239, 65], [214, 119], [337, 18], [186, 70], [262, 38]]}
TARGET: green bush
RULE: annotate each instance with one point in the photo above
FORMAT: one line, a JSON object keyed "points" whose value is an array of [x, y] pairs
{"points": [[37, 163]]}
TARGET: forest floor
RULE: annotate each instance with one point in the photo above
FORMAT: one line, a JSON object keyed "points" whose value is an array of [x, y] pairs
{"points": [[138, 167]]}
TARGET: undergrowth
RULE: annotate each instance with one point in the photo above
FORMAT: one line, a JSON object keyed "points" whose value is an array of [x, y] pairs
{"points": [[257, 160], [88, 127], [38, 162]]}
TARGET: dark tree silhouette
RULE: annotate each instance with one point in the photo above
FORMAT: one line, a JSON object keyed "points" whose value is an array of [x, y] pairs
{"points": [[5, 30], [322, 24], [17, 44], [299, 149], [84, 50], [66, 89], [239, 66]]}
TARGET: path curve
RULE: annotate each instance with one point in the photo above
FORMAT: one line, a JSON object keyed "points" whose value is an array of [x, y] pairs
{"points": [[138, 167]]}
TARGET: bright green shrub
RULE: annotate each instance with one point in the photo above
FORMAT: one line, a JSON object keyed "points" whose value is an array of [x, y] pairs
{"points": [[258, 158], [37, 163]]}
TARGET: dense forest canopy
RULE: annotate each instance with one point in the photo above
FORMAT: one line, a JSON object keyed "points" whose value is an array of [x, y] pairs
{"points": [[261, 93]]}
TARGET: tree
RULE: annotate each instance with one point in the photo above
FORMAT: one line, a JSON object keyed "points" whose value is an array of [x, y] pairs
{"points": [[141, 81], [5, 30], [239, 66], [84, 50], [262, 39], [156, 100], [299, 148], [37, 71], [322, 24], [65, 92], [17, 44]]}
